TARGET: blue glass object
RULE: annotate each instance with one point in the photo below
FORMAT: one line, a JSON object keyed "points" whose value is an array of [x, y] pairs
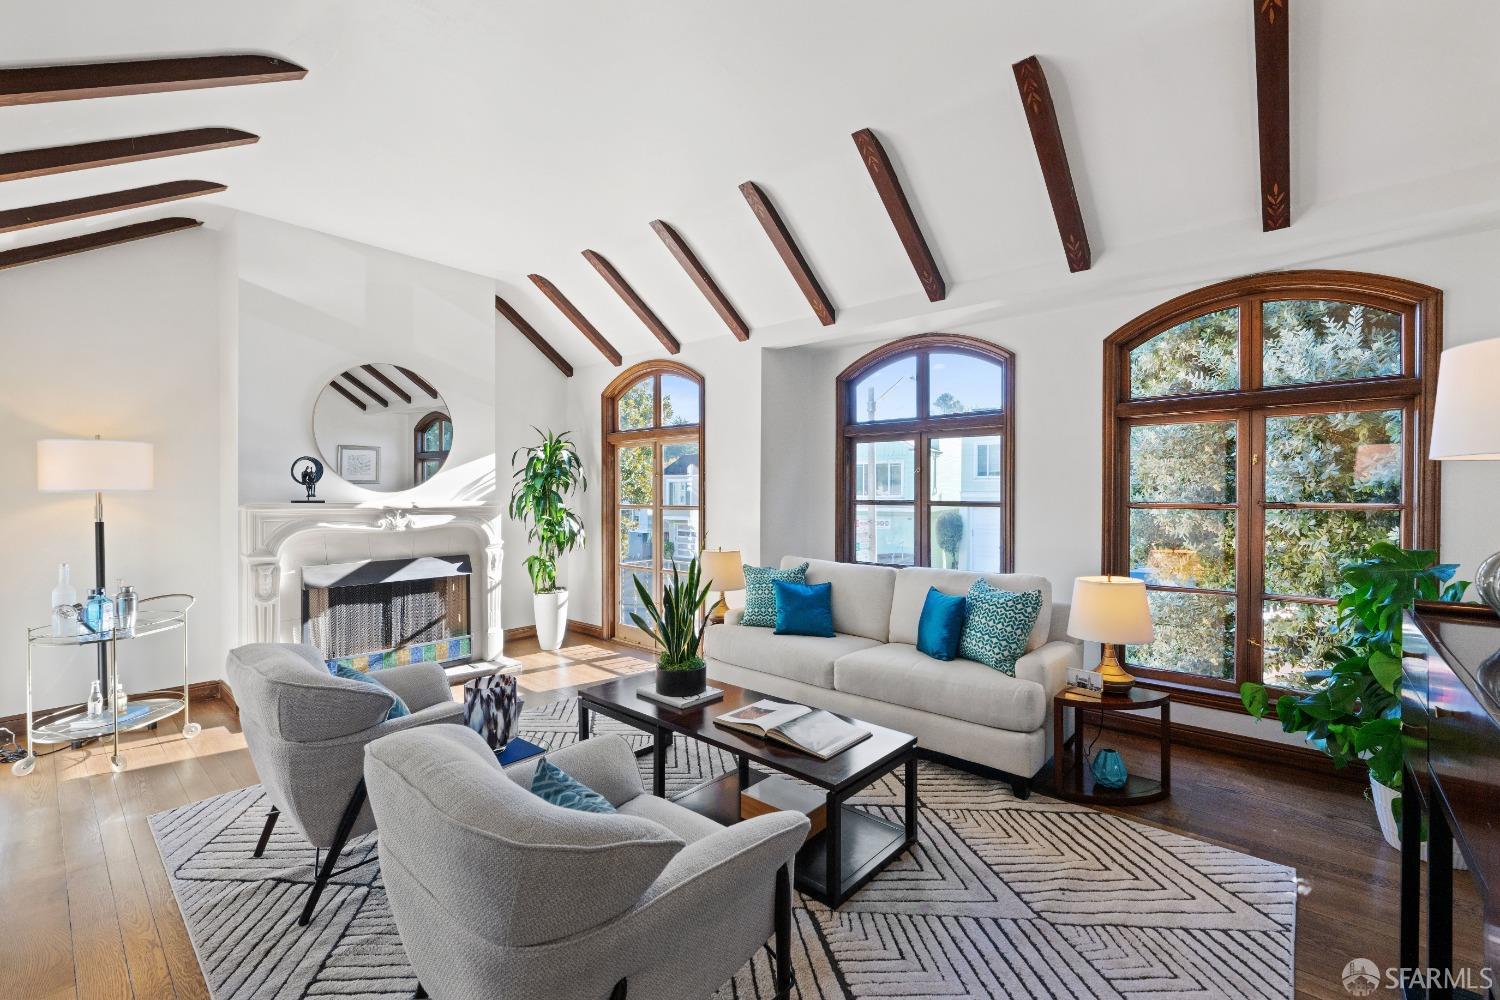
{"points": [[1109, 769], [98, 612]]}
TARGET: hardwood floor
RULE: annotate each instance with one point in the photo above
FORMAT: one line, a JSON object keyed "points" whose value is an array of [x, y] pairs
{"points": [[88, 911]]}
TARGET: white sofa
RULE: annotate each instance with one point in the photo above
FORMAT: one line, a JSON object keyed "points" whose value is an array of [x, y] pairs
{"points": [[871, 669]]}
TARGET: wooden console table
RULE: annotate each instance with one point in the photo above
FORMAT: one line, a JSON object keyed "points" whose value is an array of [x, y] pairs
{"points": [[1450, 710]]}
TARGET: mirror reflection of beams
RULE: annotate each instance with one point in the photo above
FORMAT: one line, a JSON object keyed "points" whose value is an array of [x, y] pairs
{"points": [[382, 426]]}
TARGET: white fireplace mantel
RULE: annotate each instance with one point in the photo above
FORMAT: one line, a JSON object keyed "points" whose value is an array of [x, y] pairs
{"points": [[271, 532]]}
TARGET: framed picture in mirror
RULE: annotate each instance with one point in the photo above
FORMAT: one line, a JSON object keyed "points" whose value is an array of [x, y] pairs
{"points": [[359, 464]]}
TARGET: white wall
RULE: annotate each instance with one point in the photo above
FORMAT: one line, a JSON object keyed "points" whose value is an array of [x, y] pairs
{"points": [[126, 343]]}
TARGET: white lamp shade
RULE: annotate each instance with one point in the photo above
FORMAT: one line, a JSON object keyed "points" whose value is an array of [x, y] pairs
{"points": [[84, 465], [1466, 414], [1111, 609], [725, 567]]}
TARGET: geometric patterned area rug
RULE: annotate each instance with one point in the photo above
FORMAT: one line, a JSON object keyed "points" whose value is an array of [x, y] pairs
{"points": [[999, 898]]}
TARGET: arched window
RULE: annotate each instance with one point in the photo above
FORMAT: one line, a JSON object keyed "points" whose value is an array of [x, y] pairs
{"points": [[432, 440], [1259, 432], [653, 475], [927, 455]]}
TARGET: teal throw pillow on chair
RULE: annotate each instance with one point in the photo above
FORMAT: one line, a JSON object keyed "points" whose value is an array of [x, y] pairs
{"points": [[999, 625], [760, 594], [552, 784], [941, 627], [804, 608], [350, 674]]}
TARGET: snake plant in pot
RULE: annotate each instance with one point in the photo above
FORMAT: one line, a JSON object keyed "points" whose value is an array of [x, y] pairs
{"points": [[677, 627], [550, 473], [1353, 711]]}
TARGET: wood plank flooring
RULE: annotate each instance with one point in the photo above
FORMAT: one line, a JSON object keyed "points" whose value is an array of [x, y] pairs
{"points": [[88, 912]]}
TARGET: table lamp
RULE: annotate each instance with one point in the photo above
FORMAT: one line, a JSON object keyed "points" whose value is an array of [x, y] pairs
{"points": [[1466, 427], [726, 571], [1111, 610], [79, 465]]}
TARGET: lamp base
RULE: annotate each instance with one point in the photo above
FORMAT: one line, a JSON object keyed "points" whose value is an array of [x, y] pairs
{"points": [[1116, 679], [719, 611]]}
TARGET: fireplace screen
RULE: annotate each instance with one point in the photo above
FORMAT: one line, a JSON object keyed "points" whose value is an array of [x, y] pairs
{"points": [[383, 613]]}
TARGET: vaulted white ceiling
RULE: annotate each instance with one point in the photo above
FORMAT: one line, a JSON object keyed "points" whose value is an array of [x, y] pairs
{"points": [[505, 137]]}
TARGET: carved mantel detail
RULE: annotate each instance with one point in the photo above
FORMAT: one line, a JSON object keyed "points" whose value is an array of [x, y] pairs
{"points": [[267, 531]]}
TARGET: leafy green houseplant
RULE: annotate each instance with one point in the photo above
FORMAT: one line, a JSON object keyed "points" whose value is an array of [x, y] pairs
{"points": [[677, 627], [544, 481], [1353, 711]]}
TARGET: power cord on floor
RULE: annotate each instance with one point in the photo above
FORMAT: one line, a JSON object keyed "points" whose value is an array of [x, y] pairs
{"points": [[10, 750]]}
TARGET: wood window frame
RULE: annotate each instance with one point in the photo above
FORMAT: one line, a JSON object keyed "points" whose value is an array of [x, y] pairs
{"points": [[1413, 391], [418, 455], [611, 439], [920, 430]]}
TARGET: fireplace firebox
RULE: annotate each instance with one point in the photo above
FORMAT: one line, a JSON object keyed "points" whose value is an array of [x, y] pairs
{"points": [[382, 613]]}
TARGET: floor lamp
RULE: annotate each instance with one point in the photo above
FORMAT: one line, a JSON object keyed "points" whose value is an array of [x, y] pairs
{"points": [[79, 465]]}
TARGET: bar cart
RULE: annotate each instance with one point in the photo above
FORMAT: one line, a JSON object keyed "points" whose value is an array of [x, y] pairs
{"points": [[157, 615]]}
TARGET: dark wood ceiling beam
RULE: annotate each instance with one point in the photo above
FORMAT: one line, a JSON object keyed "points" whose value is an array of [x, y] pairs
{"points": [[1046, 136], [888, 186], [82, 81], [351, 397], [529, 332], [388, 382], [1273, 111], [577, 318], [614, 279], [705, 281], [353, 380], [103, 204], [109, 152], [419, 382], [38, 252], [790, 253]]}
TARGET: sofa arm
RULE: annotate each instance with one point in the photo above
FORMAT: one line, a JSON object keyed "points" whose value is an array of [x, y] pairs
{"points": [[417, 684], [1048, 666], [445, 711], [604, 763]]}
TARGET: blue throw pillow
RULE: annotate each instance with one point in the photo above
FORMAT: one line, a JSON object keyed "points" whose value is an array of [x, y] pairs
{"points": [[999, 625], [553, 784], [760, 598], [941, 627], [350, 674], [804, 608]]}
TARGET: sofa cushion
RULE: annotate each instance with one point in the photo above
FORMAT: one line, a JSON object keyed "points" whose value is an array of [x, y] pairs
{"points": [[861, 595], [804, 608], [802, 658], [941, 627], [760, 592], [960, 689], [998, 625], [911, 591]]}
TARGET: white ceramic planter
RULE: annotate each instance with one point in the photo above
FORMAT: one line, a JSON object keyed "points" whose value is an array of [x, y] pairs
{"points": [[551, 618], [1383, 797]]}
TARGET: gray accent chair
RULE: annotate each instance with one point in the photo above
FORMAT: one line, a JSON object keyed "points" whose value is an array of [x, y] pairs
{"points": [[307, 731], [498, 893]]}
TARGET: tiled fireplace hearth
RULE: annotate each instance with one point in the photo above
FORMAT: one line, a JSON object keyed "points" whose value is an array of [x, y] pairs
{"points": [[279, 541]]}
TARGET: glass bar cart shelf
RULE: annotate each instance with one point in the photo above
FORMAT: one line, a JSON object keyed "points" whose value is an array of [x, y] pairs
{"points": [[72, 724]]}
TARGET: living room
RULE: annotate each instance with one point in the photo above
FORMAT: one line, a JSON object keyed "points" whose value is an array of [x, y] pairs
{"points": [[1069, 406]]}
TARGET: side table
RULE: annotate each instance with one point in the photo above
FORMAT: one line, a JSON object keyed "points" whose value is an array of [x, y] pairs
{"points": [[1076, 782]]}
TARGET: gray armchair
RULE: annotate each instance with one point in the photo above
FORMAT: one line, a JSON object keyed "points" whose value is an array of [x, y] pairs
{"points": [[498, 893], [307, 731]]}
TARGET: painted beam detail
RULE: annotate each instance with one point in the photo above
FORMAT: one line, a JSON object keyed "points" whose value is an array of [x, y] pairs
{"points": [[1046, 136], [790, 253], [529, 332], [1273, 111], [888, 186]]}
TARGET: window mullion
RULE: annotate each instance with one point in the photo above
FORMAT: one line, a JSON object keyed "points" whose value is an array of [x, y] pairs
{"points": [[1250, 547]]}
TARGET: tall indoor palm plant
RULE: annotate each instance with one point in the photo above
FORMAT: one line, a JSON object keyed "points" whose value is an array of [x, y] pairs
{"points": [[550, 473]]}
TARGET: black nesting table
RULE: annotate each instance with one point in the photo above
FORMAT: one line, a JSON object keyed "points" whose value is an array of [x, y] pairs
{"points": [[854, 845]]}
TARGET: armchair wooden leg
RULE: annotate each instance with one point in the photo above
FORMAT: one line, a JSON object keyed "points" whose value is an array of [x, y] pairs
{"points": [[265, 834], [783, 933], [340, 837]]}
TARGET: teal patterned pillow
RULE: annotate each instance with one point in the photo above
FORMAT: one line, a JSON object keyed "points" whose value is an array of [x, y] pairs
{"points": [[999, 624], [350, 674], [760, 592], [553, 784]]}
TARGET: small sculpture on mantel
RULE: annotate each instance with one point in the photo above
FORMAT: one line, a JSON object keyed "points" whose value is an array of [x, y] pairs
{"points": [[307, 475]]}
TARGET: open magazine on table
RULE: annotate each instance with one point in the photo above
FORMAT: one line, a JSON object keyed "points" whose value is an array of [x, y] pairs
{"points": [[810, 730]]}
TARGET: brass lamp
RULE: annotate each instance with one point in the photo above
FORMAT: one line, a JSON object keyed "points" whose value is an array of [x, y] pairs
{"points": [[726, 571], [1111, 610]]}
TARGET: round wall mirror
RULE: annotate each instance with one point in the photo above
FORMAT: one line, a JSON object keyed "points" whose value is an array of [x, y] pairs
{"points": [[383, 427]]}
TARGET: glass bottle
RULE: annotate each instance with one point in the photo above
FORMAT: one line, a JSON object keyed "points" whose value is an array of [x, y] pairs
{"points": [[96, 701], [122, 701]]}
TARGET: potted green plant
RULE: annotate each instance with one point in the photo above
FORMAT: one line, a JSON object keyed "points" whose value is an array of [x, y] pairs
{"points": [[677, 628], [545, 480], [1353, 711]]}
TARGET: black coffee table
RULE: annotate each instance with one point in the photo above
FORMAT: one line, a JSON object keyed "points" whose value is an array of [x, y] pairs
{"points": [[854, 844]]}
